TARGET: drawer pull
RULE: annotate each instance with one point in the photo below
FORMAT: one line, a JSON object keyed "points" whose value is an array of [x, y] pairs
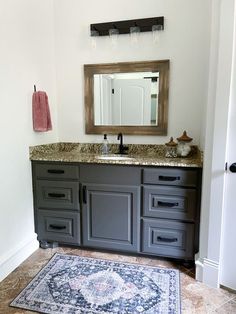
{"points": [[167, 240], [168, 178], [167, 204], [56, 227], [56, 195], [56, 171]]}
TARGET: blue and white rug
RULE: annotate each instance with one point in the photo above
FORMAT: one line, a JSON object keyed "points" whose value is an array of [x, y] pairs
{"points": [[78, 285]]}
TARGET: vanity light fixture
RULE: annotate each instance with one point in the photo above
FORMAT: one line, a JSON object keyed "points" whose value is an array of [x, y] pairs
{"points": [[128, 26]]}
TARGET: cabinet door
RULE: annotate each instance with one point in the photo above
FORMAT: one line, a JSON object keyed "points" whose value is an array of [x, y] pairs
{"points": [[111, 216]]}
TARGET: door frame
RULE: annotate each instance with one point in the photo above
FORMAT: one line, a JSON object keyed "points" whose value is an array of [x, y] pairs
{"points": [[208, 260]]}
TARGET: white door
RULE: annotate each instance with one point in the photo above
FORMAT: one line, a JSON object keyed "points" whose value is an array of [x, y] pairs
{"points": [[106, 99], [102, 99], [228, 253], [131, 102]]}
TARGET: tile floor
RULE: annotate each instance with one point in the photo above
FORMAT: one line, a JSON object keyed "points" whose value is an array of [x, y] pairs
{"points": [[195, 297]]}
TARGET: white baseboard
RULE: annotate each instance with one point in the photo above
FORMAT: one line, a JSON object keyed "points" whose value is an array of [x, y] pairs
{"points": [[211, 273], [14, 257], [207, 271]]}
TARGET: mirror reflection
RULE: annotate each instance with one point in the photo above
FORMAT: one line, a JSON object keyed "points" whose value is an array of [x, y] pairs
{"points": [[126, 99]]}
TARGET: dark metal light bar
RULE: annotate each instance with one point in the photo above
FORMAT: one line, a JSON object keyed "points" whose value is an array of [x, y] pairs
{"points": [[145, 25]]}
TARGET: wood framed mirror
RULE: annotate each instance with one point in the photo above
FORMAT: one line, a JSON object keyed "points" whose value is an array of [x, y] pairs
{"points": [[127, 97]]}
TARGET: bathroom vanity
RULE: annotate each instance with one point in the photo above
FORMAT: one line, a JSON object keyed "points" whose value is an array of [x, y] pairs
{"points": [[146, 205]]}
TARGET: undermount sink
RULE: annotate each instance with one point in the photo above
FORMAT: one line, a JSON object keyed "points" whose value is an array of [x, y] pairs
{"points": [[114, 158]]}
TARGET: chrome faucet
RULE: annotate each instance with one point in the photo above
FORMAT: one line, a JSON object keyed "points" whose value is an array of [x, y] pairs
{"points": [[122, 149]]}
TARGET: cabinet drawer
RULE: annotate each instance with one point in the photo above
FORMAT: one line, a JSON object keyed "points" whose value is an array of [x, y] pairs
{"points": [[57, 194], [59, 226], [169, 202], [166, 176], [56, 171], [168, 238]]}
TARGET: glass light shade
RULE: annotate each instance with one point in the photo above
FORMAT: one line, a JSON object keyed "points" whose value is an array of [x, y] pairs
{"points": [[134, 33], [94, 34], [155, 32], [113, 33]]}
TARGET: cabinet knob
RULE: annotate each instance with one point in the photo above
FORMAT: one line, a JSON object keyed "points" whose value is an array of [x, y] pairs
{"points": [[232, 168]]}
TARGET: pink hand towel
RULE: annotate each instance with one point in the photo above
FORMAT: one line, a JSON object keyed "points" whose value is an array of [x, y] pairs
{"points": [[41, 112]]}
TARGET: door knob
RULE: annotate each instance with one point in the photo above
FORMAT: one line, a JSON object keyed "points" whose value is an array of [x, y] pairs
{"points": [[232, 168]]}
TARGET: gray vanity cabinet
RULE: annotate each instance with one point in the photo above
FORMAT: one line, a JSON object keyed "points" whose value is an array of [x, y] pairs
{"points": [[147, 210], [111, 207]]}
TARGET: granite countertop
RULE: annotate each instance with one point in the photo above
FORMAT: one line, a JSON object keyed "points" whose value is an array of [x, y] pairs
{"points": [[139, 155]]}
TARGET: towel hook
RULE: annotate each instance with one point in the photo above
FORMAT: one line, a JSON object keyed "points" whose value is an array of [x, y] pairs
{"points": [[34, 88]]}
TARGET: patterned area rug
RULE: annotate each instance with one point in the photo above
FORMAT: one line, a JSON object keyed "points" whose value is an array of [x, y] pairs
{"points": [[78, 285]]}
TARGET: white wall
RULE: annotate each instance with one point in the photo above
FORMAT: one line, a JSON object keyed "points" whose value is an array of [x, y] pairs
{"points": [[26, 58], [185, 41]]}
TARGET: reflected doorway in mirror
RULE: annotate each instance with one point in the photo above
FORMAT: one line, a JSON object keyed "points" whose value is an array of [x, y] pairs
{"points": [[126, 98]]}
